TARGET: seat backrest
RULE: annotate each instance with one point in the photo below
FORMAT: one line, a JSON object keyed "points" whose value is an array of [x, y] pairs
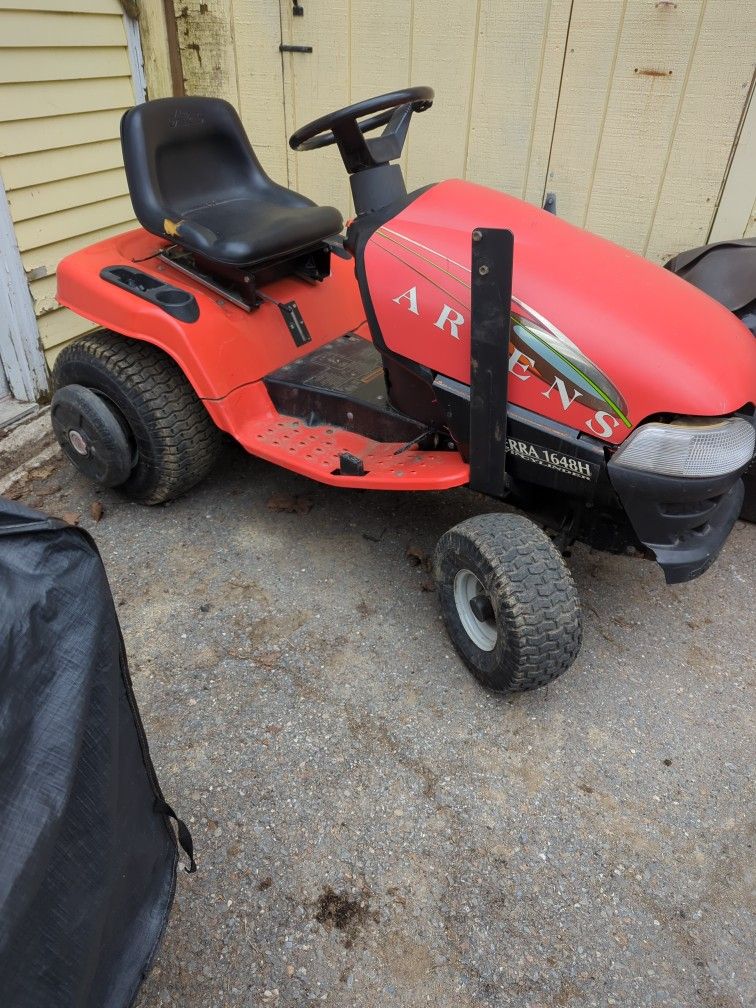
{"points": [[181, 154]]}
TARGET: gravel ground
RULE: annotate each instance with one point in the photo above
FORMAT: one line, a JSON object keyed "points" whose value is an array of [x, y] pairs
{"points": [[372, 827]]}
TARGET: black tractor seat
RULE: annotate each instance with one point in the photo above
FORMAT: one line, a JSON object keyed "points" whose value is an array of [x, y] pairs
{"points": [[194, 178]]}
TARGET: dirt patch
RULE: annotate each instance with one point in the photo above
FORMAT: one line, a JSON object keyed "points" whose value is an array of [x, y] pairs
{"points": [[348, 913]]}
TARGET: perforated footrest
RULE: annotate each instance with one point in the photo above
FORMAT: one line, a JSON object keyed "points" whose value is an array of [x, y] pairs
{"points": [[317, 452]]}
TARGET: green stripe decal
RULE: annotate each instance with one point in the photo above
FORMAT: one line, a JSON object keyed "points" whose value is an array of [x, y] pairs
{"points": [[518, 320]]}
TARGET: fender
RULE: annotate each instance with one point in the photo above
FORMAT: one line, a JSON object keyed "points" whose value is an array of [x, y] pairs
{"points": [[227, 347]]}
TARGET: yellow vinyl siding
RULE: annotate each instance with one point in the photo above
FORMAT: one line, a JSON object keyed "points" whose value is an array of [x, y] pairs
{"points": [[22, 66], [59, 197], [45, 98], [54, 132], [34, 29], [64, 6], [65, 80], [43, 166]]}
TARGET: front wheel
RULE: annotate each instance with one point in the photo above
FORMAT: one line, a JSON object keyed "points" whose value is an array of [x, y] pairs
{"points": [[508, 601]]}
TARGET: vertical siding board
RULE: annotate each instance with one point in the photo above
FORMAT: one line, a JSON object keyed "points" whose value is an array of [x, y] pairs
{"points": [[380, 45], [381, 35], [511, 67], [739, 189], [717, 90], [257, 34], [552, 59], [154, 36], [645, 98], [595, 27], [443, 42], [289, 92], [320, 84], [750, 231]]}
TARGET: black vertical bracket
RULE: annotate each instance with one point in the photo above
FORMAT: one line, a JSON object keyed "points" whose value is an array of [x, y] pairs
{"points": [[491, 305]]}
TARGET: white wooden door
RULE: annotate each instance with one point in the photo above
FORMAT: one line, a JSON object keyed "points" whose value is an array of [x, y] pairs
{"points": [[495, 66]]}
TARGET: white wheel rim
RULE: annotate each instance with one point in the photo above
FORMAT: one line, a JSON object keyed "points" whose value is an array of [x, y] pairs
{"points": [[483, 633]]}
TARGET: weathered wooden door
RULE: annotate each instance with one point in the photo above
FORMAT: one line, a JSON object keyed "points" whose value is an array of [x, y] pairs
{"points": [[495, 66], [651, 97]]}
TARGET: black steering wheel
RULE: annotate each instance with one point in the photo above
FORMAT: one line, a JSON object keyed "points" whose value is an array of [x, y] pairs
{"points": [[347, 127]]}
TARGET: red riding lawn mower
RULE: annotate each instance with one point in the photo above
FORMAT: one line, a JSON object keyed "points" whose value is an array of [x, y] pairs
{"points": [[455, 337]]}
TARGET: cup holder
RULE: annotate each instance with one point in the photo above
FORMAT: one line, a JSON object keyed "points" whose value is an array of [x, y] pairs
{"points": [[174, 298]]}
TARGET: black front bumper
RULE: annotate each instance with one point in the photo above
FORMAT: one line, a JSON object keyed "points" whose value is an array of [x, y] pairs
{"points": [[684, 522]]}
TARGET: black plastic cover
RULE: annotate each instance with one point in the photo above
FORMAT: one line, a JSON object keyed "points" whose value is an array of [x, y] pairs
{"points": [[725, 271], [684, 521], [87, 856]]}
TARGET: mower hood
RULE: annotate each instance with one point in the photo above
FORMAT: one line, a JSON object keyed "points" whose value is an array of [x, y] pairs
{"points": [[601, 339]]}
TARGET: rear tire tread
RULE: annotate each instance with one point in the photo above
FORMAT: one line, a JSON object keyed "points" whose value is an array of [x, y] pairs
{"points": [[183, 440]]}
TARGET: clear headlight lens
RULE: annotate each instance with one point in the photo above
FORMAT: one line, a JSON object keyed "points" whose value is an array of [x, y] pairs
{"points": [[689, 447]]}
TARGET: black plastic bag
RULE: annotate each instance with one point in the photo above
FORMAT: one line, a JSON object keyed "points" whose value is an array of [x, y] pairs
{"points": [[87, 855]]}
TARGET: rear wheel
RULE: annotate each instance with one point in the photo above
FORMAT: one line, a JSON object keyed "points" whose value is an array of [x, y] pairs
{"points": [[127, 385], [508, 601]]}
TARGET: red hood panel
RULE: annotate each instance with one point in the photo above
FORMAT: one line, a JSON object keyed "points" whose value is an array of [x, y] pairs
{"points": [[602, 338]]}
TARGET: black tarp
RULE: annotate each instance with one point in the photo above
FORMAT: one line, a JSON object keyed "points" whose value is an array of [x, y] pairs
{"points": [[87, 855]]}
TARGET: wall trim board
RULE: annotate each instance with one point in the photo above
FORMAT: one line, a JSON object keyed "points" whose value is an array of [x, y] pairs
{"points": [[20, 346]]}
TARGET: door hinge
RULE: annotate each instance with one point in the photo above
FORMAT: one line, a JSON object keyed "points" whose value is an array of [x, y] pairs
{"points": [[294, 48], [297, 9]]}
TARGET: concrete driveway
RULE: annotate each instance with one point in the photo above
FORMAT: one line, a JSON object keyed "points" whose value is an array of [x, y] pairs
{"points": [[375, 829]]}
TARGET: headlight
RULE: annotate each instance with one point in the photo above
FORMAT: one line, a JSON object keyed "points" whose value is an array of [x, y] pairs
{"points": [[689, 447]]}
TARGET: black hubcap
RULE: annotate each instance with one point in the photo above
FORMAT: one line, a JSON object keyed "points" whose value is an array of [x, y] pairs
{"points": [[91, 434]]}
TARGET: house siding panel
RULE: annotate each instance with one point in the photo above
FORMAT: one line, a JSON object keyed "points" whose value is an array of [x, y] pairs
{"points": [[65, 80]]}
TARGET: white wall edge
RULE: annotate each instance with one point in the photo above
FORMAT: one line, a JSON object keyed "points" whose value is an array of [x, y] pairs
{"points": [[136, 58], [20, 344], [739, 190]]}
